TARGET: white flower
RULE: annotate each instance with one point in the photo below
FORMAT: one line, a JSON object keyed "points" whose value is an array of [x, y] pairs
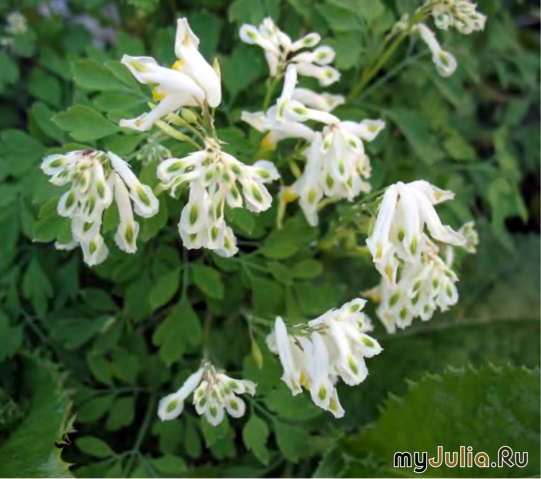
{"points": [[212, 175], [459, 14], [336, 165], [96, 177], [278, 130], [214, 394], [189, 82], [16, 23], [423, 287], [325, 349], [174, 90], [402, 216], [445, 62], [279, 47], [192, 63], [285, 119], [319, 101], [472, 237]]}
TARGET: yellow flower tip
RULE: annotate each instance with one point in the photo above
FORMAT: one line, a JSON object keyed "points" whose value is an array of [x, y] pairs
{"points": [[267, 143], [156, 96], [304, 380], [178, 65], [288, 195], [374, 294]]}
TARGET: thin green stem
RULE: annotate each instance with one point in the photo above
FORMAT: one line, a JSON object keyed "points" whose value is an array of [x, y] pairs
{"points": [[271, 86], [141, 434]]}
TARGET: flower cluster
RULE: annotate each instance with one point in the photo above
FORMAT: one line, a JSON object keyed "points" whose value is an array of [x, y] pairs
{"points": [[96, 179], [336, 163], [191, 81], [416, 281], [279, 47], [214, 393], [213, 175], [459, 14], [325, 349]]}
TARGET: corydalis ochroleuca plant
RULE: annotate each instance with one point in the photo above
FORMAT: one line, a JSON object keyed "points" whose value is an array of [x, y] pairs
{"points": [[96, 180], [212, 175], [331, 347], [415, 279], [191, 81], [281, 51], [336, 163], [214, 393], [459, 14]]}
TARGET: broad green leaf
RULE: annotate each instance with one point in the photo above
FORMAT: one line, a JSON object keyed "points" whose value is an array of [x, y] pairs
{"points": [[293, 441], [45, 87], [285, 242], [20, 151], [416, 129], [94, 446], [37, 287], [180, 327], [29, 450], [485, 409], [255, 434], [84, 123], [164, 289], [11, 337], [208, 280], [242, 68], [89, 74], [307, 269]]}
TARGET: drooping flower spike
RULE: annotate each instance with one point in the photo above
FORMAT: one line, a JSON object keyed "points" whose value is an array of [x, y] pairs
{"points": [[191, 81], [280, 52], [445, 62], [214, 394], [97, 178], [398, 233], [212, 176], [331, 347], [459, 14]]}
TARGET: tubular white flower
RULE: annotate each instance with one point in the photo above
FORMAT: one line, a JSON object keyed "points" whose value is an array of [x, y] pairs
{"points": [[212, 176], [175, 89], [146, 203], [214, 394], [320, 101], [459, 14], [398, 232], [91, 193], [128, 228], [278, 48], [445, 62], [337, 166], [329, 347], [192, 63], [326, 75]]}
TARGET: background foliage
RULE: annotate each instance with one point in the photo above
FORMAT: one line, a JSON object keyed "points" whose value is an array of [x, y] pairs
{"points": [[91, 350]]}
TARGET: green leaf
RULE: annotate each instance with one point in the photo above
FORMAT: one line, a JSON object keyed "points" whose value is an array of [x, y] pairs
{"points": [[181, 326], [285, 242], [29, 450], [416, 129], [255, 434], [267, 296], [241, 69], [208, 280], [307, 269], [293, 441], [213, 434], [45, 87], [42, 114], [37, 287], [9, 71], [164, 289], [20, 151], [485, 409], [283, 403], [246, 11], [121, 413], [84, 123], [11, 338], [89, 74], [95, 408], [94, 446], [169, 465], [339, 19], [118, 100]]}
